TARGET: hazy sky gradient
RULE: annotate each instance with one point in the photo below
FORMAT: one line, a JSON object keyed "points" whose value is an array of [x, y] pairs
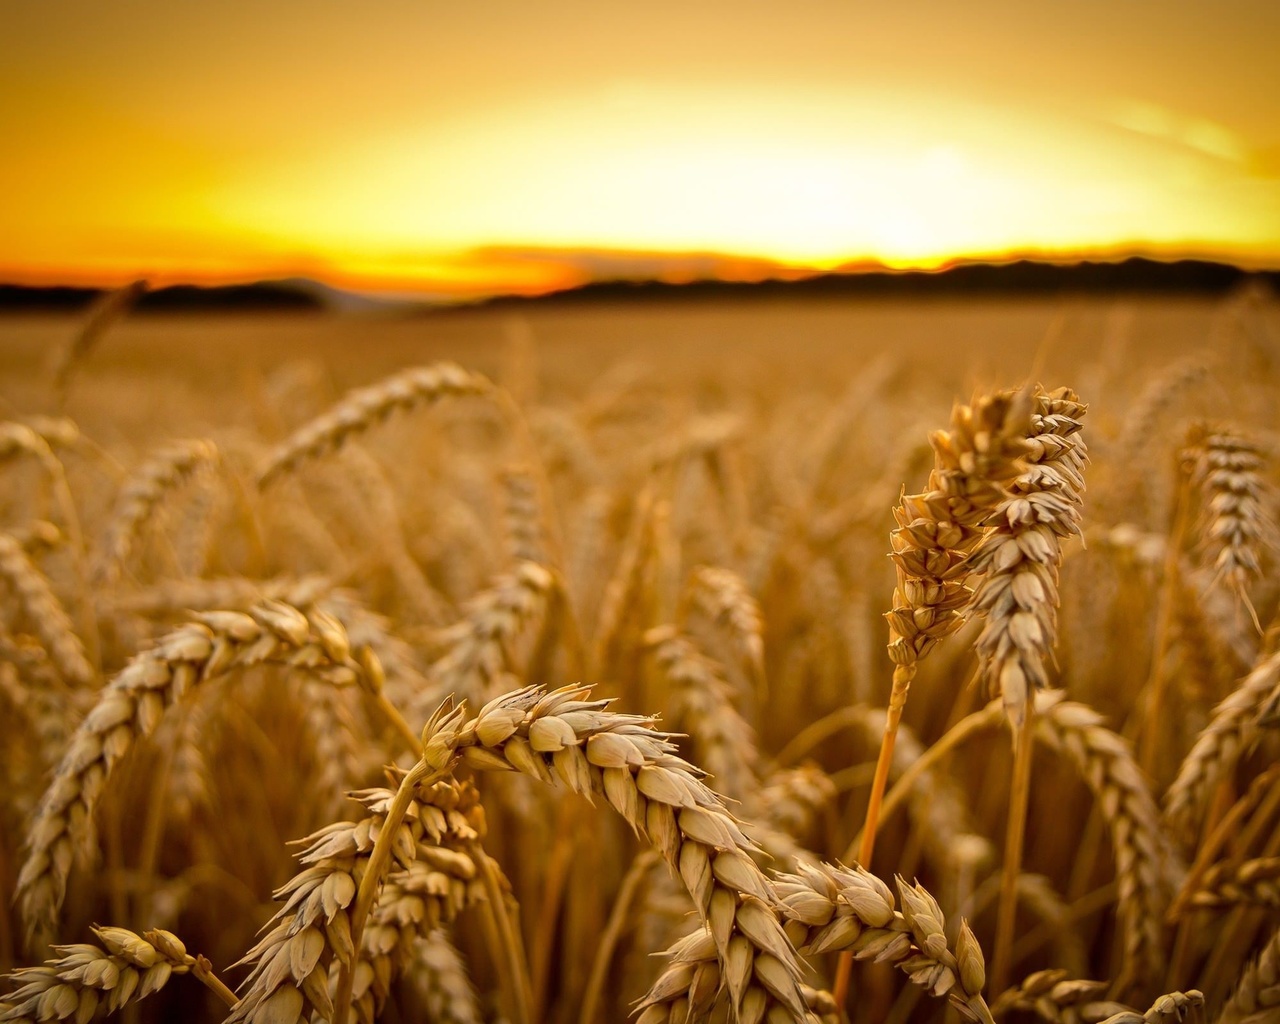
{"points": [[384, 143]]}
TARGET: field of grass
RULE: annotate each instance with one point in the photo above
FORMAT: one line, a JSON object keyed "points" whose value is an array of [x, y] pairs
{"points": [[250, 564]]}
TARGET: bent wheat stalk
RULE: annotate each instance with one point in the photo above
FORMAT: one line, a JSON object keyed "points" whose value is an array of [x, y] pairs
{"points": [[558, 736], [130, 708], [936, 534], [362, 408]]}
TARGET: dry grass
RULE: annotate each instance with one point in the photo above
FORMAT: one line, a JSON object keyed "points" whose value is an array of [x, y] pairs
{"points": [[295, 606]]}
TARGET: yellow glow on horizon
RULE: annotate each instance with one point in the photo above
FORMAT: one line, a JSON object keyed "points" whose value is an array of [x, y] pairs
{"points": [[806, 179]]}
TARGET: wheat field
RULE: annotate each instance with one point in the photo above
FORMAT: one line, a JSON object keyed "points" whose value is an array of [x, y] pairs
{"points": [[878, 661]]}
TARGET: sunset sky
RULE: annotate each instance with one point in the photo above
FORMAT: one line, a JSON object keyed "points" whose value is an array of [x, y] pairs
{"points": [[470, 148]]}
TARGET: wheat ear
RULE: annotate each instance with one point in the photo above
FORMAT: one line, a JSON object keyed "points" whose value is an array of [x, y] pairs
{"points": [[1256, 996], [1255, 882], [828, 908], [316, 928], [1235, 726], [559, 736], [1236, 524], [439, 975], [131, 707], [701, 702], [42, 608], [1017, 565], [140, 497], [360, 409], [87, 980]]}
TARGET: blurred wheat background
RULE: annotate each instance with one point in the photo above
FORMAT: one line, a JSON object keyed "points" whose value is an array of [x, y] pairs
{"points": [[245, 559]]}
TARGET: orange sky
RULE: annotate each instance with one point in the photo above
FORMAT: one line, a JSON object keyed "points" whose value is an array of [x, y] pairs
{"points": [[470, 148]]}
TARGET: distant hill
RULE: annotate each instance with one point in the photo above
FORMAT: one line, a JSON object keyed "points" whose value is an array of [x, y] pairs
{"points": [[263, 296], [1022, 277]]}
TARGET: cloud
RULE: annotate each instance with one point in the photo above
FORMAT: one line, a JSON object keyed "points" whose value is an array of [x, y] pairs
{"points": [[1207, 137]]}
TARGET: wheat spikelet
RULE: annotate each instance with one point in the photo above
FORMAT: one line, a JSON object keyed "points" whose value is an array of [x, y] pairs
{"points": [[523, 520], [1171, 1006], [720, 596], [479, 650], [438, 974], [87, 980], [1255, 881], [38, 537], [1256, 996], [1145, 866], [56, 431], [1018, 562], [360, 409], [313, 929], [1232, 730], [1057, 998], [166, 470], [558, 736], [42, 608], [131, 707], [1236, 522], [701, 701], [829, 908]]}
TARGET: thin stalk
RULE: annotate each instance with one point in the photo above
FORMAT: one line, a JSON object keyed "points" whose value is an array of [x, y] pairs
{"points": [[552, 894], [902, 676], [1015, 835], [517, 968], [203, 970], [1157, 681], [640, 867], [397, 720], [897, 796]]}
